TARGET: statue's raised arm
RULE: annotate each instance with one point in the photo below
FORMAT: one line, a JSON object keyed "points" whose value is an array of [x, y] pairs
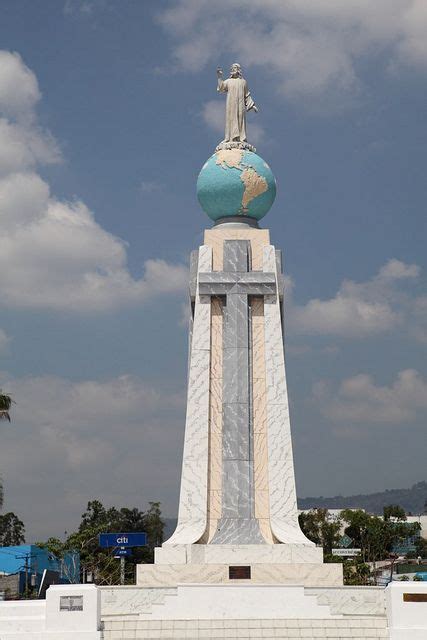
{"points": [[239, 100]]}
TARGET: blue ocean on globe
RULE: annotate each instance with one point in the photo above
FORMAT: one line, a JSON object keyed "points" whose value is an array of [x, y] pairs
{"points": [[236, 182]]}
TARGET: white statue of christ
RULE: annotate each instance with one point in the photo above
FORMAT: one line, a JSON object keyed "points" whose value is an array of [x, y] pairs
{"points": [[239, 101]]}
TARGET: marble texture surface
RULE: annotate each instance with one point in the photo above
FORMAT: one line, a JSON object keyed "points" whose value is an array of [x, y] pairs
{"points": [[238, 523], [258, 238], [283, 502], [131, 600], [238, 554], [313, 575], [192, 514], [352, 601], [214, 510], [240, 601]]}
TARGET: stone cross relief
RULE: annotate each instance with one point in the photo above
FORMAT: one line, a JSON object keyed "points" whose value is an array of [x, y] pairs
{"points": [[238, 524]]}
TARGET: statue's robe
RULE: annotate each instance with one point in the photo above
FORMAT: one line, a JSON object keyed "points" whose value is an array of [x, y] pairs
{"points": [[238, 102]]}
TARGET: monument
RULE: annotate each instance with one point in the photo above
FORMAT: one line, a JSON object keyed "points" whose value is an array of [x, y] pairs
{"points": [[238, 564], [238, 515]]}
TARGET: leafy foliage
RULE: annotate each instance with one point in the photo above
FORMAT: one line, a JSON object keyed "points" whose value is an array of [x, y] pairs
{"points": [[319, 528], [394, 511], [421, 547], [376, 536], [99, 562], [12, 530], [355, 572]]}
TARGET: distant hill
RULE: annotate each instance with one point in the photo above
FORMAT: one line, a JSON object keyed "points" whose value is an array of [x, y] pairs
{"points": [[413, 500], [170, 526]]}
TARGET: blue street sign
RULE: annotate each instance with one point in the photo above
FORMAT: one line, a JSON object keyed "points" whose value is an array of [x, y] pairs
{"points": [[119, 553], [122, 539]]}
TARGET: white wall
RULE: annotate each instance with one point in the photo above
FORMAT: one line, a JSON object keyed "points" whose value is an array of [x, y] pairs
{"points": [[406, 620]]}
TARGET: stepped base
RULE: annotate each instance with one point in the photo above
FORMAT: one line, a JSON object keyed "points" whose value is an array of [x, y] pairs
{"points": [[280, 629], [243, 611], [238, 554], [171, 575]]}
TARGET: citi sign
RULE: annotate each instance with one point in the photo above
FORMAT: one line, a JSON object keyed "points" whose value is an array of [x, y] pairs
{"points": [[134, 539]]}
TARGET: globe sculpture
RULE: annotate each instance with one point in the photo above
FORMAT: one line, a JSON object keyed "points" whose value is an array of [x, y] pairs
{"points": [[236, 182]]}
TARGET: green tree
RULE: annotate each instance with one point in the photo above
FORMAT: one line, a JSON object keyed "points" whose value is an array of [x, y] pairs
{"points": [[319, 528], [355, 572], [394, 511], [376, 536], [98, 519], [12, 530], [421, 547]]}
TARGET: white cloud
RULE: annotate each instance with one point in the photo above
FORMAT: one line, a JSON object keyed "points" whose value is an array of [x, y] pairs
{"points": [[19, 90], [312, 49], [360, 309], [53, 254], [101, 439], [23, 146], [213, 115], [359, 399], [396, 270]]}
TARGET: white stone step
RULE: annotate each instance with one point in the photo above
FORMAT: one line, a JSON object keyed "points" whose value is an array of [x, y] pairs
{"points": [[354, 628], [237, 600]]}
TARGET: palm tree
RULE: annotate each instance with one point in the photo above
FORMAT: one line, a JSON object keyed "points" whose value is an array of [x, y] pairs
{"points": [[5, 404]]}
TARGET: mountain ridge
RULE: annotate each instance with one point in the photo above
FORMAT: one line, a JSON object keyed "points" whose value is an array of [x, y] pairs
{"points": [[413, 500]]}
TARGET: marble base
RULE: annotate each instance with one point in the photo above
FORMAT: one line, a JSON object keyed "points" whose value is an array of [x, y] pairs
{"points": [[238, 554], [308, 575], [239, 601]]}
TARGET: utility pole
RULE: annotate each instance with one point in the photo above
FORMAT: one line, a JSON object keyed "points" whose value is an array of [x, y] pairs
{"points": [[122, 569], [27, 568]]}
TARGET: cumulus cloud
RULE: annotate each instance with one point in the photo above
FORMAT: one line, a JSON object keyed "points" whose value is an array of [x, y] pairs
{"points": [[360, 400], [88, 439], [362, 309], [312, 49], [213, 116], [19, 90], [53, 254]]}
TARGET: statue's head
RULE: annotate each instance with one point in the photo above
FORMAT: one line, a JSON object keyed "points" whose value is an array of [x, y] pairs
{"points": [[236, 70]]}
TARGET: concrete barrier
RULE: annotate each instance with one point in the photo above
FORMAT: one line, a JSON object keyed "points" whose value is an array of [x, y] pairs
{"points": [[70, 612], [406, 605]]}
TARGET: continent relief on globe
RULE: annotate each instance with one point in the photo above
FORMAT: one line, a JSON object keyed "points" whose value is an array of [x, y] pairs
{"points": [[255, 184]]}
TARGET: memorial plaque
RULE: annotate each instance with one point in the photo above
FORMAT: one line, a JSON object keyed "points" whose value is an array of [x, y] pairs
{"points": [[415, 597], [239, 573], [71, 603]]}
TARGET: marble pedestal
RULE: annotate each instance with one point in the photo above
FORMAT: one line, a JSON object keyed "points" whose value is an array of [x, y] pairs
{"points": [[269, 564], [237, 502]]}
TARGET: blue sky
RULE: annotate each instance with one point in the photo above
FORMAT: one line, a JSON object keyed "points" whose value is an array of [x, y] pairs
{"points": [[107, 112]]}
